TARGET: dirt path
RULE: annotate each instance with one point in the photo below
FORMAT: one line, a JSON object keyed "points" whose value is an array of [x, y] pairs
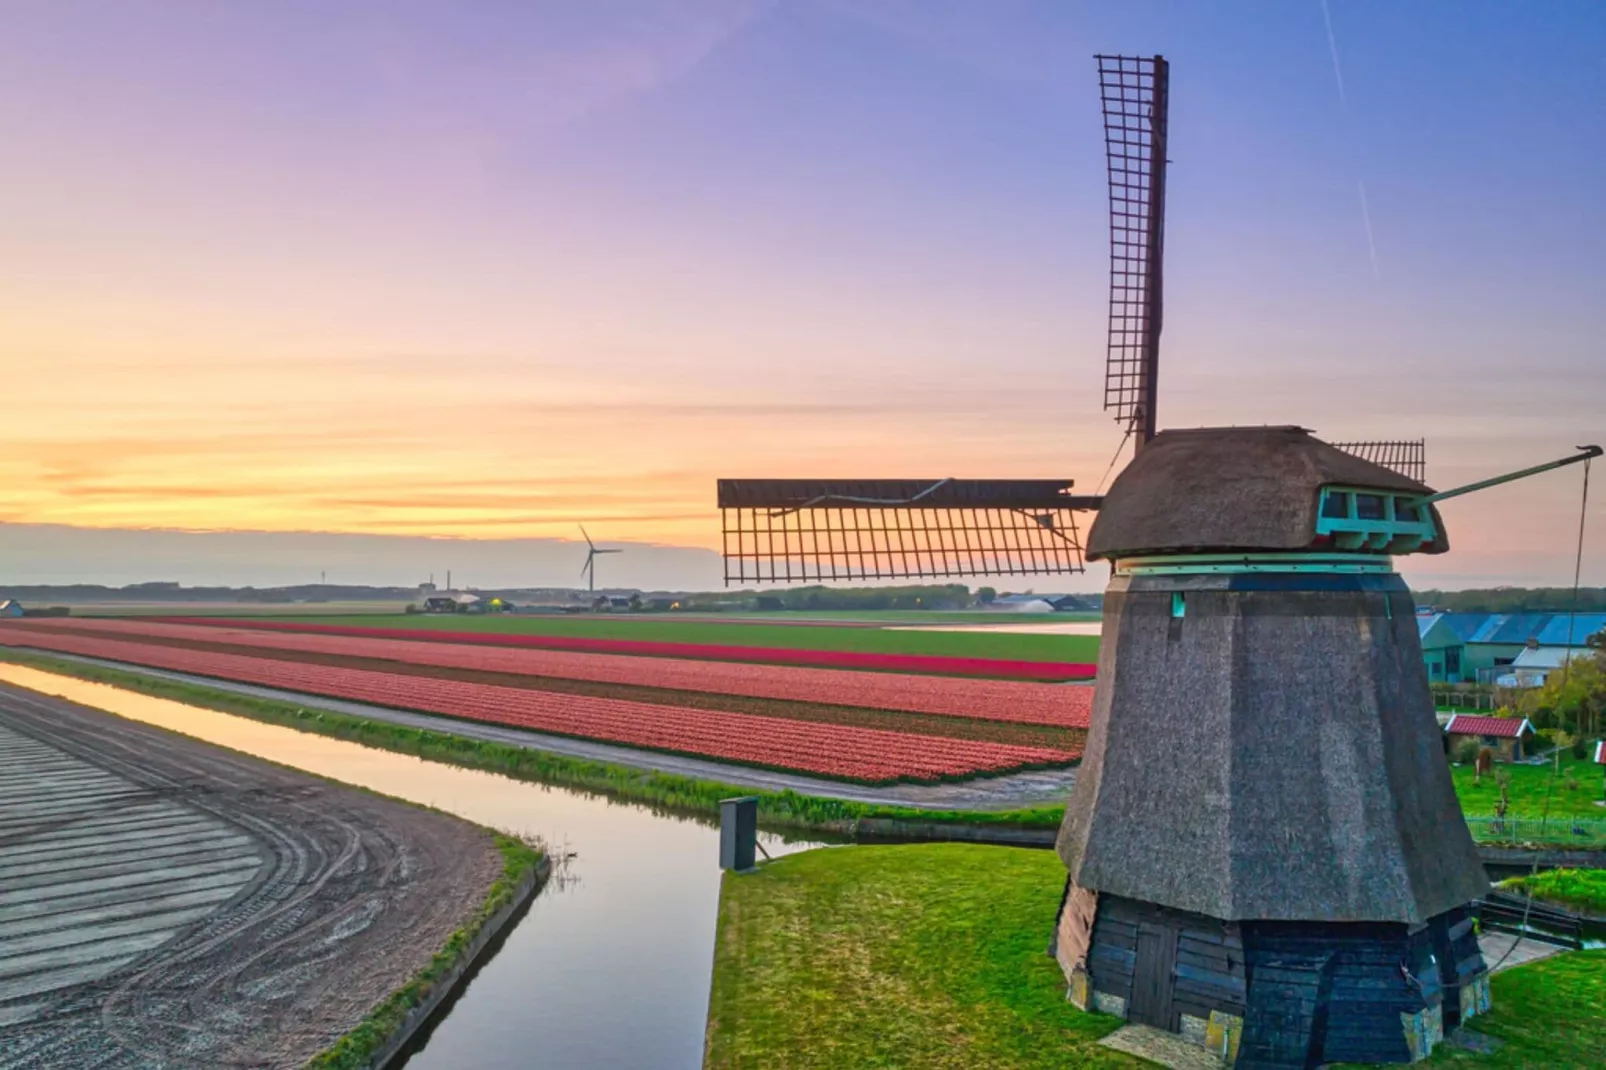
{"points": [[334, 898], [1040, 787]]}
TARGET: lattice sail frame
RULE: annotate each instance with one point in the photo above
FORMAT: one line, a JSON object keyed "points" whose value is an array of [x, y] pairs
{"points": [[1407, 457], [812, 531], [1136, 95]]}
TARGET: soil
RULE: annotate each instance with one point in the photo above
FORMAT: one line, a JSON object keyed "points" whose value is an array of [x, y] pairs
{"points": [[354, 896]]}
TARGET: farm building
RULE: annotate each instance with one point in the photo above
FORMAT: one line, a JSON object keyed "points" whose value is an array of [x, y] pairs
{"points": [[1484, 647], [1533, 666], [11, 608], [1038, 603], [1508, 737]]}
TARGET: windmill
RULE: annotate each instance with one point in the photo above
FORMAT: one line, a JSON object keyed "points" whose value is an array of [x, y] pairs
{"points": [[815, 530], [1263, 847], [589, 569]]}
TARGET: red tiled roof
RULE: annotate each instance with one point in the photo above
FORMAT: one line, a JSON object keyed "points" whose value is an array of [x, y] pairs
{"points": [[1464, 725]]}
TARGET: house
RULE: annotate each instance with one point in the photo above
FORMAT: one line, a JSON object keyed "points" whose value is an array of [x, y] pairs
{"points": [[1443, 648], [1484, 647], [1533, 666], [11, 608], [452, 603], [1508, 737], [1038, 603]]}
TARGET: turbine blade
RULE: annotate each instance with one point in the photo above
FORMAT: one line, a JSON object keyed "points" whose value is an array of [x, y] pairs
{"points": [[587, 537]]}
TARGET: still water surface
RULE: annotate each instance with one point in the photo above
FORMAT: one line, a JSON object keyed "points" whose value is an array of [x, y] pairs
{"points": [[610, 967]]}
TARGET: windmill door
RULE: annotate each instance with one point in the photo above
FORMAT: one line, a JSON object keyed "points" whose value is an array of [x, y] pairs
{"points": [[1154, 977]]}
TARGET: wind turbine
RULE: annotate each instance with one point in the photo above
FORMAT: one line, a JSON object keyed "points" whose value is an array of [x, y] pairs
{"points": [[589, 569]]}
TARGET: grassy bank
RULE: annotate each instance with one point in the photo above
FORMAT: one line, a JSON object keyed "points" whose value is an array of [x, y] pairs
{"points": [[357, 1048], [1013, 646], [933, 955], [1577, 889], [928, 955], [668, 792]]}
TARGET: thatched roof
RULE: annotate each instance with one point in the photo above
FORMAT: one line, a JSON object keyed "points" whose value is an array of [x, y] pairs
{"points": [[1226, 489]]}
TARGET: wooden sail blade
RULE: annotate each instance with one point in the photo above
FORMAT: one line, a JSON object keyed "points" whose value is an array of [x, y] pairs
{"points": [[1135, 91], [1407, 457], [817, 530]]}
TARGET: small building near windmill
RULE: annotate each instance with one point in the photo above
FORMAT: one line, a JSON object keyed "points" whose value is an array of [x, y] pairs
{"points": [[1532, 668], [11, 608], [1442, 649], [1509, 737]]}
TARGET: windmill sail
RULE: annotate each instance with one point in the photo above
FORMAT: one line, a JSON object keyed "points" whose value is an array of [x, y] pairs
{"points": [[1136, 96], [814, 530], [1408, 458]]}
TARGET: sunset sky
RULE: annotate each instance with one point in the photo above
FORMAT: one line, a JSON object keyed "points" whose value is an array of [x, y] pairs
{"points": [[485, 270]]}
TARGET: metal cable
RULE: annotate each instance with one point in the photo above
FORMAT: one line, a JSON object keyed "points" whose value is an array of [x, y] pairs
{"points": [[1544, 819]]}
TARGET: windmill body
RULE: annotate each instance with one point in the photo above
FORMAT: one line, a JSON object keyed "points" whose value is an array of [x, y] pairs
{"points": [[1264, 847]]}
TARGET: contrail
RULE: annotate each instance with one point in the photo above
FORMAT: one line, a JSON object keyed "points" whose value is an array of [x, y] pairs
{"points": [[1332, 46], [1366, 220], [1343, 100]]}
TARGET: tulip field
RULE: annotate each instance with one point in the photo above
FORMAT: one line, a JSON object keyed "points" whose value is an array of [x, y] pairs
{"points": [[870, 727], [997, 700]]}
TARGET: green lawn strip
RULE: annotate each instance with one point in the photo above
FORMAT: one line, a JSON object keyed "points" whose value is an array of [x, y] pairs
{"points": [[666, 791], [1012, 646], [357, 1048], [1578, 889], [925, 955], [933, 955]]}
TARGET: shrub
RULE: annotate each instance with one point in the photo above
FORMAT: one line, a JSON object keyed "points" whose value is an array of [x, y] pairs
{"points": [[1580, 748], [1466, 752]]}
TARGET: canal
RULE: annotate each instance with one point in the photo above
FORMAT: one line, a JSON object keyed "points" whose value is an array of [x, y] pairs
{"points": [[610, 967]]}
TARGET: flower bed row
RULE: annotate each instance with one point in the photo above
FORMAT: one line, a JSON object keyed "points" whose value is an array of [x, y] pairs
{"points": [[1001, 668], [862, 754], [1012, 701]]}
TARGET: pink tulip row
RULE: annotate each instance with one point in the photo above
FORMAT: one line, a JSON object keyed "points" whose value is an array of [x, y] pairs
{"points": [[1014, 701], [839, 751], [1001, 668]]}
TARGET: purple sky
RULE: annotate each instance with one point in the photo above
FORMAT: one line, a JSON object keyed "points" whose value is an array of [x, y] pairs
{"points": [[488, 269]]}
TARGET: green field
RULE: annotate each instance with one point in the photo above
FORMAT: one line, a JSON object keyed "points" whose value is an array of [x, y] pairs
{"points": [[916, 956], [659, 628], [1572, 792], [933, 955]]}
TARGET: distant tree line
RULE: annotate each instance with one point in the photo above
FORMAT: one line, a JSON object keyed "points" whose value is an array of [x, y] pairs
{"points": [[925, 596], [1515, 600]]}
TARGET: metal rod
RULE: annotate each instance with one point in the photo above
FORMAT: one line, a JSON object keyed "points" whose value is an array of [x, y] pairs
{"points": [[1584, 454]]}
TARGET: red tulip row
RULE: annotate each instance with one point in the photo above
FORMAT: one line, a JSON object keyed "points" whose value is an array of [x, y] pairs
{"points": [[1000, 668], [862, 754], [1015, 701]]}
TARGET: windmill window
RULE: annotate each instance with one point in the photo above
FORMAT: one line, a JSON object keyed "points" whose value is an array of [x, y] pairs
{"points": [[1335, 506], [1369, 507]]}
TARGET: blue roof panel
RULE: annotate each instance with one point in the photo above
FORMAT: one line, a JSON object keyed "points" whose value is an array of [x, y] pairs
{"points": [[1584, 625]]}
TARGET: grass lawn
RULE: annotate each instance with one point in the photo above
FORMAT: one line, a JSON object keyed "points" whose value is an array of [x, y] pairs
{"points": [[934, 955], [1529, 784], [663, 629], [1579, 889], [929, 955]]}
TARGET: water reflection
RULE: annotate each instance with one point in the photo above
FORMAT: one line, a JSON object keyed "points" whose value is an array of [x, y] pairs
{"points": [[609, 970]]}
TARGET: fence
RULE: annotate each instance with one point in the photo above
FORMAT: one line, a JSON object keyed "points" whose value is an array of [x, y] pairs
{"points": [[1574, 831]]}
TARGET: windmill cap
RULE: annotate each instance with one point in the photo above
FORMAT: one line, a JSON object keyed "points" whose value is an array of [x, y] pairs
{"points": [[1235, 489]]}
